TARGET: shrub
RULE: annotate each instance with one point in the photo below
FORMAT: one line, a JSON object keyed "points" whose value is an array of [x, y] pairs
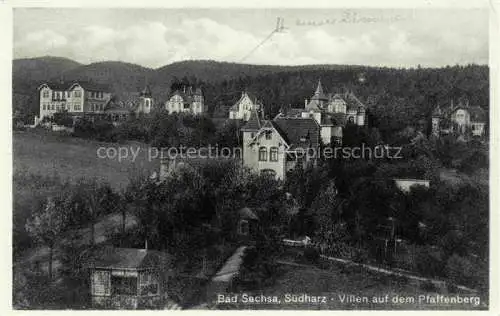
{"points": [[428, 286], [460, 270], [311, 255], [429, 261]]}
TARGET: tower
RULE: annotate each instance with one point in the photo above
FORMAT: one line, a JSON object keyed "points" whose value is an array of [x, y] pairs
{"points": [[361, 116], [146, 100]]}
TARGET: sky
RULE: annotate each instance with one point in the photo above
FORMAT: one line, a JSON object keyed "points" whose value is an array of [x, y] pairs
{"points": [[157, 37]]}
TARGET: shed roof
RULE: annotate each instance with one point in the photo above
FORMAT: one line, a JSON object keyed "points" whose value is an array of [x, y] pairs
{"points": [[247, 213], [127, 258]]}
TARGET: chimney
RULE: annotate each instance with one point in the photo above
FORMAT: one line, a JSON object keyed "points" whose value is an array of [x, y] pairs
{"points": [[146, 244], [305, 102]]}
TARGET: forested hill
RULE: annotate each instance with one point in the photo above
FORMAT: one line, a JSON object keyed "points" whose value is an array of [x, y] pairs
{"points": [[394, 96]]}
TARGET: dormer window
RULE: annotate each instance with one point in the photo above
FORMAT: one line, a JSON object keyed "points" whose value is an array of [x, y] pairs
{"points": [[268, 135]]}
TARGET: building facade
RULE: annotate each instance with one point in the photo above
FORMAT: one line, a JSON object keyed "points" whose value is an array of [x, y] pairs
{"points": [[92, 101], [277, 146], [78, 98], [463, 119], [243, 108], [331, 111], [188, 100], [128, 278]]}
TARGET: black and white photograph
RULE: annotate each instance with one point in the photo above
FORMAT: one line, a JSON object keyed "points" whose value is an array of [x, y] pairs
{"points": [[225, 158]]}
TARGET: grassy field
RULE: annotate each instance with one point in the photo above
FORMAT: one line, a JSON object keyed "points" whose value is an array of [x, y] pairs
{"points": [[44, 153]]}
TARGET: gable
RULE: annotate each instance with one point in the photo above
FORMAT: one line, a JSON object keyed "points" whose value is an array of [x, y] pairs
{"points": [[268, 127]]}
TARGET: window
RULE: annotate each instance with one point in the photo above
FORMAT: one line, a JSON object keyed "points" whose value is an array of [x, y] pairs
{"points": [[77, 93], [77, 106], [274, 154], [100, 283], [44, 106], [149, 284], [268, 135], [244, 228], [45, 93], [123, 285], [262, 154]]}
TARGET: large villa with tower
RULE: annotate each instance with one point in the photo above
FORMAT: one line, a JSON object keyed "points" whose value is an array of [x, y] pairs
{"points": [[294, 136]]}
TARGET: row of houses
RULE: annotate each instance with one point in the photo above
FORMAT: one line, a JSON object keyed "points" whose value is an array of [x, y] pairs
{"points": [[90, 100]]}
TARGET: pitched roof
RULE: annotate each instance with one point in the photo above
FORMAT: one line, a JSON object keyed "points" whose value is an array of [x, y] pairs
{"points": [[319, 94], [67, 85], [188, 94], [437, 111], [315, 105], [93, 86], [298, 132], [114, 106], [478, 114], [129, 101], [244, 94], [247, 213], [352, 102], [253, 124], [146, 92], [127, 258]]}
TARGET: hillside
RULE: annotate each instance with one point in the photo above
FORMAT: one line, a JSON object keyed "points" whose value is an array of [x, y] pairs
{"points": [[42, 153]]}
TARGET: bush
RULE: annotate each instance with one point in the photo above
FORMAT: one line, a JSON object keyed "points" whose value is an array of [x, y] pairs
{"points": [[311, 255], [428, 286], [460, 270], [64, 119], [429, 261]]}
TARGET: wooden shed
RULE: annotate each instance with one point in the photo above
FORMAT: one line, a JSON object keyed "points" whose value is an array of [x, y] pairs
{"points": [[129, 278]]}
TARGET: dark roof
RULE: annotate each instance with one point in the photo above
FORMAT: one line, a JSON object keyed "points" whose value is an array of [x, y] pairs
{"points": [[315, 105], [247, 213], [319, 94], [295, 112], [294, 130], [437, 111], [335, 119], [129, 101], [353, 103], [146, 92], [93, 86], [253, 123], [116, 107], [478, 114], [127, 258]]}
